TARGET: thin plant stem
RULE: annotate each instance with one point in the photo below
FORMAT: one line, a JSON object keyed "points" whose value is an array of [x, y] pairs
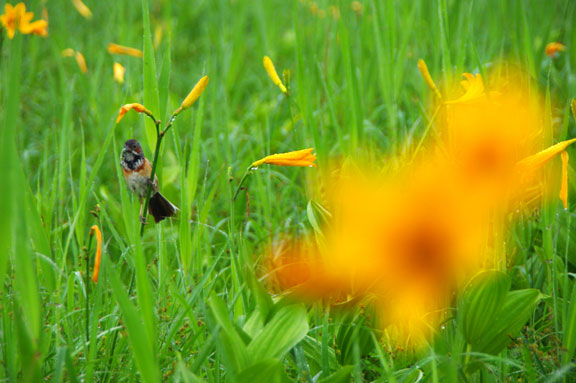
{"points": [[248, 172]]}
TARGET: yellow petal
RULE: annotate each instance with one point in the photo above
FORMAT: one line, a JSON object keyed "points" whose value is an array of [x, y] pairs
{"points": [[194, 94], [95, 230], [573, 107], [82, 9], [302, 157], [426, 75], [537, 160], [269, 66], [122, 50], [119, 71], [564, 188], [474, 89], [68, 52], [137, 107], [81, 62]]}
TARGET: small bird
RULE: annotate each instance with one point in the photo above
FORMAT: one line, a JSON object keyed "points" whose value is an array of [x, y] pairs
{"points": [[136, 169]]}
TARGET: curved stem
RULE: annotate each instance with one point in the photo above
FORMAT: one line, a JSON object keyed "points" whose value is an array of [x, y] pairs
{"points": [[248, 171]]}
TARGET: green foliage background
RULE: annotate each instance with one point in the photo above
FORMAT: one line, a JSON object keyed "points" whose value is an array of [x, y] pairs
{"points": [[184, 303]]}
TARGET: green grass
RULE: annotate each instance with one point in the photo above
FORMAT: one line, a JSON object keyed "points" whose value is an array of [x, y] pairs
{"points": [[184, 302]]}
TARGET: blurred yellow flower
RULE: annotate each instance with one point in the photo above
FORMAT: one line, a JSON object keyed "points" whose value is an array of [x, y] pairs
{"points": [[68, 52], [553, 48], [119, 71], [194, 94], [303, 157], [357, 7], [82, 9], [16, 17], [269, 66], [122, 50], [95, 230], [137, 107], [81, 62]]}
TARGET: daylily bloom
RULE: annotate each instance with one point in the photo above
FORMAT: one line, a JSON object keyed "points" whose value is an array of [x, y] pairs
{"points": [[119, 71], [16, 17], [82, 9], [297, 158], [269, 66], [474, 89], [137, 107], [193, 95], [95, 230], [122, 50], [553, 48]]}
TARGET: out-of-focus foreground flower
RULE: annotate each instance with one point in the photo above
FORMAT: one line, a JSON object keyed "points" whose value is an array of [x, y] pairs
{"points": [[411, 240]]}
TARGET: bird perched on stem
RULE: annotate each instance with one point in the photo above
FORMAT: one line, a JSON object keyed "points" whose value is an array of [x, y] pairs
{"points": [[137, 169]]}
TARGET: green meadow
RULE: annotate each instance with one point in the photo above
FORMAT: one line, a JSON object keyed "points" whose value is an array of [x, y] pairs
{"points": [[188, 300]]}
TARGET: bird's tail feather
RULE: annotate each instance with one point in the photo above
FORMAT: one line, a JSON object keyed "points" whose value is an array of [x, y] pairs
{"points": [[161, 208]]}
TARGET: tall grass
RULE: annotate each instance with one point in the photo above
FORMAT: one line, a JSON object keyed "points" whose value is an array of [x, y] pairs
{"points": [[196, 309]]}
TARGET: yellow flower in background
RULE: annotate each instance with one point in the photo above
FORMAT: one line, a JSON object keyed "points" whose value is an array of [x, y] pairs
{"points": [[119, 71], [136, 107], [269, 66], [357, 7], [81, 62], [303, 157], [193, 95], [553, 48], [16, 18], [474, 88], [95, 230], [68, 52], [82, 9], [116, 49]]}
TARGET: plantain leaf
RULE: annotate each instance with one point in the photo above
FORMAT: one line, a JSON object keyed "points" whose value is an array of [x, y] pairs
{"points": [[268, 370], [286, 328]]}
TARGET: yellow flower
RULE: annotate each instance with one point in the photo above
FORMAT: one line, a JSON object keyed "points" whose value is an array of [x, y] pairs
{"points": [[429, 81], [122, 50], [81, 62], [137, 107], [193, 95], [297, 158], [553, 48], [474, 88], [119, 71], [82, 9], [539, 159], [95, 230], [269, 66], [16, 17]]}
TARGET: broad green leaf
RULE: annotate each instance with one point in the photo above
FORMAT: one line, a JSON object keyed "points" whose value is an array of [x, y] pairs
{"points": [[142, 348], [288, 327], [231, 344], [481, 302], [267, 370], [509, 320]]}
